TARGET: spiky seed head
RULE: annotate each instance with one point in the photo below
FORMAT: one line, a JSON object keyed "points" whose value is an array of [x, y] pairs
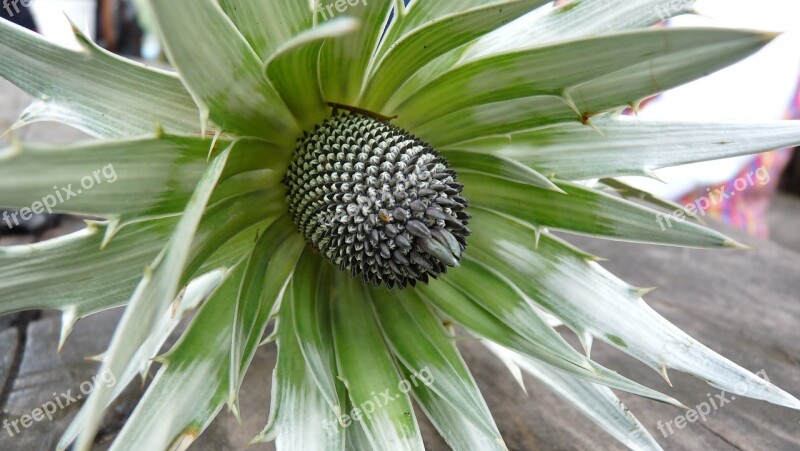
{"points": [[377, 201]]}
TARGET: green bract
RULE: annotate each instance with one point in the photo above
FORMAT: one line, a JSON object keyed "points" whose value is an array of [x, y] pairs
{"points": [[522, 106]]}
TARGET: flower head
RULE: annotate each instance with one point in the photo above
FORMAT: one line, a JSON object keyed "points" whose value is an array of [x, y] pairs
{"points": [[377, 201]]}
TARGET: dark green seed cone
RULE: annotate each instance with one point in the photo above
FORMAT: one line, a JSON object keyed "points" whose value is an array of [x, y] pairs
{"points": [[377, 200]]}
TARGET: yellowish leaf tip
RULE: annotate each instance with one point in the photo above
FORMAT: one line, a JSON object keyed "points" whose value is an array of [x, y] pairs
{"points": [[185, 439], [642, 292], [566, 97], [732, 244], [586, 339], [68, 320], [19, 123], [163, 358], [15, 146], [554, 187], [636, 107], [662, 370], [769, 36], [112, 227], [267, 435], [651, 173], [83, 39], [96, 357], [233, 407]]}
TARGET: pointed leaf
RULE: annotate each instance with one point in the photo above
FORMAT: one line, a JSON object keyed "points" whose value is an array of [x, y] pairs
{"points": [[551, 69], [586, 211], [453, 425], [344, 60], [575, 19], [498, 166], [597, 402], [367, 369], [191, 388], [591, 300], [624, 145], [422, 345], [294, 70], [547, 24], [150, 177], [300, 416], [268, 25], [464, 308], [224, 75], [93, 90], [192, 296], [267, 273], [419, 46], [626, 87], [72, 273], [152, 297], [312, 323]]}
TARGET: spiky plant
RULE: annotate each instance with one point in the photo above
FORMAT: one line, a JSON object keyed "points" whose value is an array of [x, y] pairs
{"points": [[366, 180]]}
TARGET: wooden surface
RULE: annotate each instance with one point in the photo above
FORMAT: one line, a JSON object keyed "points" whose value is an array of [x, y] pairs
{"points": [[744, 304]]}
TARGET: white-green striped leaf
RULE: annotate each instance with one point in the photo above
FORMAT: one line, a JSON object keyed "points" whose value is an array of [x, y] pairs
{"points": [[75, 274], [466, 309], [423, 347], [153, 295], [586, 211], [577, 18], [590, 300], [91, 89], [624, 145], [112, 268], [419, 13], [452, 423], [546, 24], [368, 370], [597, 402], [224, 75], [343, 61], [300, 416], [499, 166], [293, 70], [627, 86], [421, 45], [125, 179], [552, 69], [311, 287], [268, 25], [191, 297], [191, 388], [267, 274]]}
